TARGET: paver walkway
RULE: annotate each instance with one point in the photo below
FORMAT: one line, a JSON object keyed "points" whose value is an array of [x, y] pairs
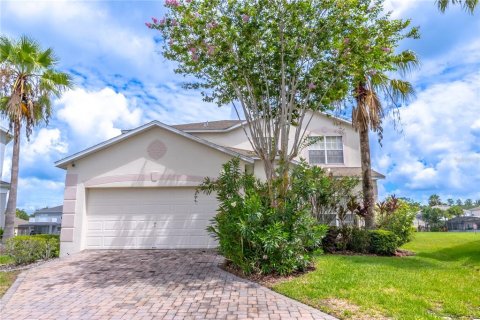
{"points": [[144, 284]]}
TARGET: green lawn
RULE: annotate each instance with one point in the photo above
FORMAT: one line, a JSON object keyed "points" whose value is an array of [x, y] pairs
{"points": [[4, 259], [442, 280], [6, 280]]}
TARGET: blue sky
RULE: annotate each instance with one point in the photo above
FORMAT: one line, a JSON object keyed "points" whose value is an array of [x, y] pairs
{"points": [[122, 81]]}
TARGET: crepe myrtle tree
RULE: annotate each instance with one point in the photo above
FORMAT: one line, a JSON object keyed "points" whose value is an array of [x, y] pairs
{"points": [[275, 61], [375, 68]]}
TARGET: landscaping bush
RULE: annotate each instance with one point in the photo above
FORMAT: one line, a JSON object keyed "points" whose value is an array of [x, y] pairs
{"points": [[397, 216], [1, 233], [383, 242], [359, 241], [28, 249], [253, 235]]}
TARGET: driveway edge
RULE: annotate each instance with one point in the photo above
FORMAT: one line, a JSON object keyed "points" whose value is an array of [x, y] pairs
{"points": [[310, 309], [18, 281]]}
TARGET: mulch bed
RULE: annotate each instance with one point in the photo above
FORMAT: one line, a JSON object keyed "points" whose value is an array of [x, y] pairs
{"points": [[265, 280]]}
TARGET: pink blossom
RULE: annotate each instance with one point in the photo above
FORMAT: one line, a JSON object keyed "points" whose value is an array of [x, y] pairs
{"points": [[346, 40], [192, 50], [210, 50], [195, 57], [154, 20], [188, 1], [171, 42], [174, 22], [149, 25], [172, 3], [162, 21], [312, 86], [245, 18], [385, 49]]}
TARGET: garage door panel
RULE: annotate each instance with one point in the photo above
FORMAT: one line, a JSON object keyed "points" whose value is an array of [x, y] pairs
{"points": [[143, 218]]}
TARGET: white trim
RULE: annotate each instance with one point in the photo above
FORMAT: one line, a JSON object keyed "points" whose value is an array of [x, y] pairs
{"points": [[63, 162]]}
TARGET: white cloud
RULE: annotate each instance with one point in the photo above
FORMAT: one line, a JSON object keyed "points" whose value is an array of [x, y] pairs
{"points": [[399, 7], [97, 115], [43, 143], [47, 193], [439, 147], [88, 24]]}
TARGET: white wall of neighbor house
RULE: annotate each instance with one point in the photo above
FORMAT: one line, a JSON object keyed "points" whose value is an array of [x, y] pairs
{"points": [[320, 125], [152, 159]]}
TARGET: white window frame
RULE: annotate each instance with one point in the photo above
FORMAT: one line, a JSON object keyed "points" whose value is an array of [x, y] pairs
{"points": [[325, 150]]}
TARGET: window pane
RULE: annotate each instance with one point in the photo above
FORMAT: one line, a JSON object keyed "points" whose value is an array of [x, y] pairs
{"points": [[334, 143], [334, 156], [316, 156], [317, 143]]}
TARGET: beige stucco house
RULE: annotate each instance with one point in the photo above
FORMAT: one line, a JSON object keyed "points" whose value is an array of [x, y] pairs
{"points": [[136, 191]]}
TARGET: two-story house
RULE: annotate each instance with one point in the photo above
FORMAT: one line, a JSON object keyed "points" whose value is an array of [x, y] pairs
{"points": [[5, 138], [43, 221], [136, 190]]}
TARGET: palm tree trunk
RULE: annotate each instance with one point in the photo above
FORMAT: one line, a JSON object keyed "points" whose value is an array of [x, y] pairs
{"points": [[367, 182], [12, 195]]}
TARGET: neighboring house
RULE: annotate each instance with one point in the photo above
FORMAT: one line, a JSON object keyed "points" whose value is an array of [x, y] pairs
{"points": [[463, 224], [5, 138], [419, 223], [136, 191], [17, 229], [475, 212], [43, 221]]}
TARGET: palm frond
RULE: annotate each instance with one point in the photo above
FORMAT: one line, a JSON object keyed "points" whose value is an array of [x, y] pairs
{"points": [[406, 61], [468, 5], [400, 90]]}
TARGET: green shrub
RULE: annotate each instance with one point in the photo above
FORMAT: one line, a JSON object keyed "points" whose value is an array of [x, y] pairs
{"points": [[254, 236], [359, 241], [383, 242], [1, 233], [397, 216], [28, 249], [329, 242]]}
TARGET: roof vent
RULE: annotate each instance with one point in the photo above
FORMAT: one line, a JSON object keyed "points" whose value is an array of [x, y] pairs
{"points": [[205, 124]]}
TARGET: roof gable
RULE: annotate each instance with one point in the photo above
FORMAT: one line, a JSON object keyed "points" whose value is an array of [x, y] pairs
{"points": [[82, 154]]}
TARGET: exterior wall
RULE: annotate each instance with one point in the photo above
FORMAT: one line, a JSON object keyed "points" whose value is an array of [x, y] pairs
{"points": [[154, 158], [320, 125]]}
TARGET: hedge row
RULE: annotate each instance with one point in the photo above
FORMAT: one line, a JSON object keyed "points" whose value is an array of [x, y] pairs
{"points": [[28, 249], [381, 242]]}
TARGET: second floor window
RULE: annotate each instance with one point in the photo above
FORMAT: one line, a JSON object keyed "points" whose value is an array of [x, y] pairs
{"points": [[326, 150]]}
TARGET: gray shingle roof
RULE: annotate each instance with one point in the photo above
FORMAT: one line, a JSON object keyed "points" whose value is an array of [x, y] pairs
{"points": [[209, 125], [57, 209], [351, 172]]}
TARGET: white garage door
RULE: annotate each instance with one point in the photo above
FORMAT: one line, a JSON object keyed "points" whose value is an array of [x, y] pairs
{"points": [[148, 218]]}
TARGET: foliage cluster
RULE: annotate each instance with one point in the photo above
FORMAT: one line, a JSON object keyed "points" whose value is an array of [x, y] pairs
{"points": [[354, 239], [28, 249], [253, 235], [397, 215]]}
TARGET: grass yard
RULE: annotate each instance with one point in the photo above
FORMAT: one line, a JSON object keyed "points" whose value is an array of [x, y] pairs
{"points": [[6, 280], [4, 259], [442, 280]]}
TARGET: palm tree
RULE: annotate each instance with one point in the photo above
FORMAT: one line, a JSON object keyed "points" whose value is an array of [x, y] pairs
{"points": [[368, 115], [28, 80], [468, 5]]}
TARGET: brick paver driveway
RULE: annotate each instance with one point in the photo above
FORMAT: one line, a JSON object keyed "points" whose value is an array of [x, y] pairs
{"points": [[144, 284]]}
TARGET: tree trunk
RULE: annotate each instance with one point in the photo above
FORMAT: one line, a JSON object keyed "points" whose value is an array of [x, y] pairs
{"points": [[12, 195], [367, 182]]}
